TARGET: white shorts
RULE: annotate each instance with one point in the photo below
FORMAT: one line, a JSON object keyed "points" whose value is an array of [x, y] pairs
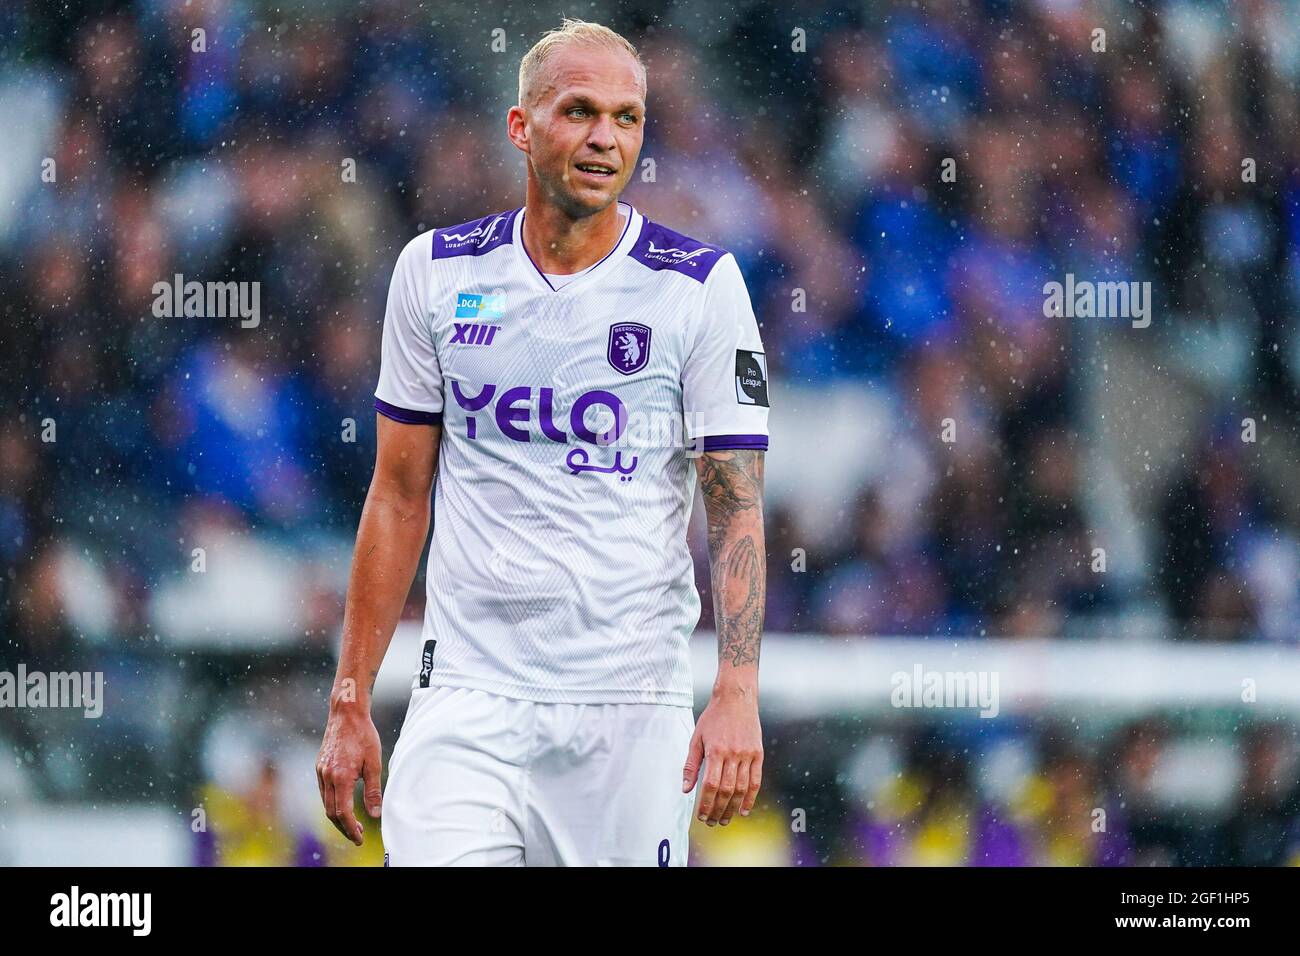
{"points": [[482, 780]]}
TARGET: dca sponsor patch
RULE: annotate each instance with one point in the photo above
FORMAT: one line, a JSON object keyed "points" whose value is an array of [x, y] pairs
{"points": [[476, 305]]}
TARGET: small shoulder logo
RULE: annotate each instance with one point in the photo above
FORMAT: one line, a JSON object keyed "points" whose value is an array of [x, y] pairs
{"points": [[675, 255], [629, 346], [479, 235], [751, 378]]}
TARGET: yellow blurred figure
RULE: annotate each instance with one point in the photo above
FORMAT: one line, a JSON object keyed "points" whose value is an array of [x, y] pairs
{"points": [[246, 829], [761, 839], [942, 840]]}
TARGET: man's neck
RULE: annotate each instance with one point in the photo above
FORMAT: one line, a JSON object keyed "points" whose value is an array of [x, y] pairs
{"points": [[562, 246]]}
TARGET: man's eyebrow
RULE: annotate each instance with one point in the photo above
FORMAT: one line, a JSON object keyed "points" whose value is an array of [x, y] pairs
{"points": [[583, 99]]}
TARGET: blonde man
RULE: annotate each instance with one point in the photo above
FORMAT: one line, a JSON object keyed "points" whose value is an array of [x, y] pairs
{"points": [[530, 359]]}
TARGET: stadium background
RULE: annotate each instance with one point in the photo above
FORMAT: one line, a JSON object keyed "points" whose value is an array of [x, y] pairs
{"points": [[820, 168]]}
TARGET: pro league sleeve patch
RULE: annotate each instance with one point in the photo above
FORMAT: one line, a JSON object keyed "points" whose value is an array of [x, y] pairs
{"points": [[751, 378]]}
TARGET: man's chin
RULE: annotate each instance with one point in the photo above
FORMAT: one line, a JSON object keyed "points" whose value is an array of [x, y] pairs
{"points": [[587, 202]]}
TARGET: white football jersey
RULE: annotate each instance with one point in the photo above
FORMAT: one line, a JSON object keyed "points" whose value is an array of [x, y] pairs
{"points": [[559, 570]]}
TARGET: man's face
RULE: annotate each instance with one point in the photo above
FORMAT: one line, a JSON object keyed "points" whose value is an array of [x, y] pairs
{"points": [[583, 127]]}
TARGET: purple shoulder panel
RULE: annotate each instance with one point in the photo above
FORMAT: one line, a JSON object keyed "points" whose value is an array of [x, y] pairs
{"points": [[476, 237], [659, 247]]}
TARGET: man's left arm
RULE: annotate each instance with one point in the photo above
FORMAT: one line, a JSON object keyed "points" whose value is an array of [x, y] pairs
{"points": [[728, 739]]}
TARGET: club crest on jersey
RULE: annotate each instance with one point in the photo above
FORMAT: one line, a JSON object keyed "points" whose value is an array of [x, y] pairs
{"points": [[629, 346], [475, 305]]}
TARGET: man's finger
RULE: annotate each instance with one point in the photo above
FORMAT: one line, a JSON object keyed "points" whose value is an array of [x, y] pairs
{"points": [[726, 787], [755, 782], [694, 757], [373, 794], [738, 794], [709, 789], [344, 785], [326, 793], [331, 804]]}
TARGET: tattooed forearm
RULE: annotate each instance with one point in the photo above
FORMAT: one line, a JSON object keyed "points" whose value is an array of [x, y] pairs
{"points": [[732, 482], [741, 627]]}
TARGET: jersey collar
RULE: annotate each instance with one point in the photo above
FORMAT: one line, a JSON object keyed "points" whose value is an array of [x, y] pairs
{"points": [[631, 230]]}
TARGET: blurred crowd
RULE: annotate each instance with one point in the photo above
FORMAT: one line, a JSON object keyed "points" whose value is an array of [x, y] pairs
{"points": [[131, 446], [822, 172], [1141, 793]]}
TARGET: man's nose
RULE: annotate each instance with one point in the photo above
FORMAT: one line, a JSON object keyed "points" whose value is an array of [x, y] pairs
{"points": [[602, 134]]}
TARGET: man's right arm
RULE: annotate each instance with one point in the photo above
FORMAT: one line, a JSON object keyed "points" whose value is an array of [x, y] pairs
{"points": [[391, 536]]}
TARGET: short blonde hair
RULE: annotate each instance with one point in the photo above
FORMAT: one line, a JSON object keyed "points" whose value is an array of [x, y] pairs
{"points": [[571, 31]]}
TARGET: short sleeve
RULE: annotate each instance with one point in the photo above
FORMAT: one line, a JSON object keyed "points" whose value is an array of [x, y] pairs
{"points": [[724, 380], [410, 378]]}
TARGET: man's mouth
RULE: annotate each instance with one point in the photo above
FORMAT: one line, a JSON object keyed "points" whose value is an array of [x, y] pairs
{"points": [[596, 169]]}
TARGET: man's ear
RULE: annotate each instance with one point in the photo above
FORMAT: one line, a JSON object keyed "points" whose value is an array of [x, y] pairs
{"points": [[517, 127]]}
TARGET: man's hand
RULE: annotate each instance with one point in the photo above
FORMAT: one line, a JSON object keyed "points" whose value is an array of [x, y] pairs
{"points": [[349, 751], [729, 741]]}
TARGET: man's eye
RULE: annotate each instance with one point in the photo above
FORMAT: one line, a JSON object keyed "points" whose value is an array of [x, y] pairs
{"points": [[629, 117], [577, 110]]}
